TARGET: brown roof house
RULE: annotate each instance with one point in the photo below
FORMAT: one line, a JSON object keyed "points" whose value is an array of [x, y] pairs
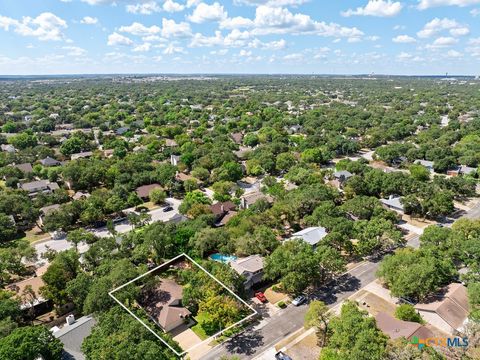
{"points": [[250, 267], [396, 328], [447, 311], [249, 199], [143, 191], [164, 305], [223, 210]]}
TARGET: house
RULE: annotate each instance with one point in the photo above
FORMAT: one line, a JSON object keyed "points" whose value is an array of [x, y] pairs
{"points": [[182, 177], [8, 148], [170, 143], [108, 153], [72, 335], [294, 129], [467, 170], [222, 209], [48, 161], [249, 199], [44, 211], [237, 137], [395, 328], [447, 311], [224, 220], [426, 163], [174, 159], [143, 191], [340, 177], [40, 186], [164, 305], [79, 195], [34, 300], [81, 155], [139, 148], [121, 130], [311, 235], [393, 203], [26, 168], [250, 267]]}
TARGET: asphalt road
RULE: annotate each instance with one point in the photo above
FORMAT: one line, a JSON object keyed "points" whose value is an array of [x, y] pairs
{"points": [[272, 329], [259, 338]]}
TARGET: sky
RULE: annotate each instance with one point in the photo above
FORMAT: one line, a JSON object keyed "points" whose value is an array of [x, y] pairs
{"points": [[405, 37]]}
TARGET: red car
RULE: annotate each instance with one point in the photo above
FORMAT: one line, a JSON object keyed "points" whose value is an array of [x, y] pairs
{"points": [[261, 296]]}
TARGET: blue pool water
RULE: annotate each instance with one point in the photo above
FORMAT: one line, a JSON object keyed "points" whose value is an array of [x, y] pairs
{"points": [[222, 258]]}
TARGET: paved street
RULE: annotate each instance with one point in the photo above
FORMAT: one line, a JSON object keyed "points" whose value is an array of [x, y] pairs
{"points": [[284, 322], [270, 331], [121, 228]]}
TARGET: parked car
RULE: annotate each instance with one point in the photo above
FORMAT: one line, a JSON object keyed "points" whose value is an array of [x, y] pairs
{"points": [[261, 296], [167, 209], [299, 300], [282, 356]]}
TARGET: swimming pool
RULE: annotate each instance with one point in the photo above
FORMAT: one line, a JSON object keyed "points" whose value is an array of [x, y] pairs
{"points": [[222, 258]]}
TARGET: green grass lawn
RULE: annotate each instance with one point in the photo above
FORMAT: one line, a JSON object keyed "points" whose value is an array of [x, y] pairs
{"points": [[197, 328]]}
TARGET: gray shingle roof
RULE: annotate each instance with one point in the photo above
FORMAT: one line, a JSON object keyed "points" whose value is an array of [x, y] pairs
{"points": [[72, 337]]}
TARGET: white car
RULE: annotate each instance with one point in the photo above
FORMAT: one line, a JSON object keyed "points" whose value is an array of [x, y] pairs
{"points": [[299, 300]]}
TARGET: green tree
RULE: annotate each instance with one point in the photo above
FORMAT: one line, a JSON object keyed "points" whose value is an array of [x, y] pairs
{"points": [[407, 312], [30, 343], [157, 196], [354, 335], [218, 312], [8, 229], [318, 316], [419, 172], [191, 198], [415, 273]]}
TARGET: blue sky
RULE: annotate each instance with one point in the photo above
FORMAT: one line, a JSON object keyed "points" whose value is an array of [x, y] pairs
{"points": [[240, 36]]}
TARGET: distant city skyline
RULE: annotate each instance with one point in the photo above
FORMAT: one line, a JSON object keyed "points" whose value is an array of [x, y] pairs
{"points": [[410, 37]]}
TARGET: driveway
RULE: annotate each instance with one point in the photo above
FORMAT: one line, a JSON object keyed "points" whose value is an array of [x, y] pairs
{"points": [[188, 340]]}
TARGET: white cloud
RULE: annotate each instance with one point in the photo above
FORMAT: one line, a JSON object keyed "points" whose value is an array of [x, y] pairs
{"points": [[293, 57], [272, 45], [172, 29], [192, 3], [379, 8], [474, 41], [88, 20], [427, 4], [237, 22], [454, 54], [172, 6], [75, 50], [172, 49], [145, 8], [139, 29], [404, 39], [438, 25], [45, 26], [200, 40], [205, 13], [118, 39], [245, 53], [475, 12], [442, 42], [142, 48], [270, 2], [274, 20], [237, 38]]}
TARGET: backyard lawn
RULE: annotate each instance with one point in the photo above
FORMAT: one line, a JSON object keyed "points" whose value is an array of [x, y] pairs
{"points": [[197, 328]]}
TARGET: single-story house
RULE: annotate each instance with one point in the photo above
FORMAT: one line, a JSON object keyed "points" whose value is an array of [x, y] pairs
{"points": [[170, 143], [44, 211], [48, 161], [249, 199], [79, 195], [72, 335], [143, 191], [8, 148], [342, 175], [250, 267], [447, 311], [164, 305], [121, 130], [393, 203], [426, 163], [81, 155], [182, 177], [395, 328], [26, 168], [312, 235], [237, 137], [467, 170], [35, 187], [39, 304]]}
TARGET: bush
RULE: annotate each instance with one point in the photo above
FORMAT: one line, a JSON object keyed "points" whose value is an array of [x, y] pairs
{"points": [[282, 305], [407, 312]]}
